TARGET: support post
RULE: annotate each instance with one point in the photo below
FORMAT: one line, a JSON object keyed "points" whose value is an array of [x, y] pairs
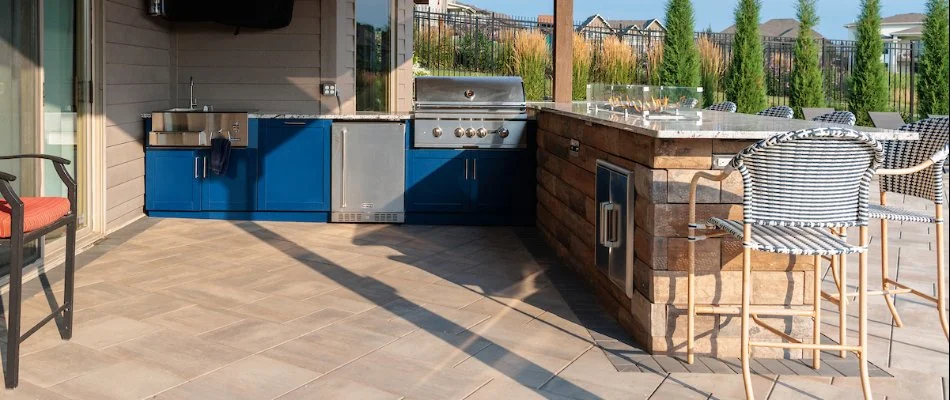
{"points": [[563, 50]]}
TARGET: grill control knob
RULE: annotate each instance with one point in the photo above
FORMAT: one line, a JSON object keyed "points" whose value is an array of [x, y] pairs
{"points": [[437, 131], [482, 132], [470, 132], [503, 133], [459, 132]]}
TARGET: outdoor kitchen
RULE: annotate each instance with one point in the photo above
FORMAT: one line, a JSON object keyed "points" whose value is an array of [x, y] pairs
{"points": [[285, 205]]}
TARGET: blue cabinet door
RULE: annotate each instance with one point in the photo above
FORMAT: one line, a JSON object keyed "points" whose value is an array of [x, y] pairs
{"points": [[172, 180], [294, 166], [502, 181], [235, 190], [438, 181]]}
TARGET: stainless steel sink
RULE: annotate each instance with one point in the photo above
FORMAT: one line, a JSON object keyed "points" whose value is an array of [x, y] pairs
{"points": [[184, 127]]}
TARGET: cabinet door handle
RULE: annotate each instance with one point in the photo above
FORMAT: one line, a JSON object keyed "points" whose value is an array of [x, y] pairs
{"points": [[196, 167], [294, 123], [475, 169], [343, 167], [204, 162], [466, 169]]}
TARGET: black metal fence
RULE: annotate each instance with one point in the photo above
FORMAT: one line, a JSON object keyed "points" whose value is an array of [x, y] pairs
{"points": [[480, 45]]}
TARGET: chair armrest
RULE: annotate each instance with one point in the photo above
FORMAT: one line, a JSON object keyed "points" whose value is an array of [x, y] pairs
{"points": [[941, 155], [694, 185], [7, 177], [55, 159], [906, 171]]}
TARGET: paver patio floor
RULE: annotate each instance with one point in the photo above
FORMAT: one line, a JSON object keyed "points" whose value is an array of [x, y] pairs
{"points": [[193, 309]]}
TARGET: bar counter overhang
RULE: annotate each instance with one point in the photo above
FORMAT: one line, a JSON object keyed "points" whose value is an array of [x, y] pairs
{"points": [[662, 157]]}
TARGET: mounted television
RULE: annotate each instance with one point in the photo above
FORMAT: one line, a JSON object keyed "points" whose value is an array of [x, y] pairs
{"points": [[261, 14]]}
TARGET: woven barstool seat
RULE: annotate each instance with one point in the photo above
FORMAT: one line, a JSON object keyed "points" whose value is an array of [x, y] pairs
{"points": [[778, 112], [726, 106], [789, 240], [899, 214]]}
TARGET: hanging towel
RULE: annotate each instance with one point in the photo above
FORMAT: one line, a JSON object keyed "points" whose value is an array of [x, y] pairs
{"points": [[220, 154]]}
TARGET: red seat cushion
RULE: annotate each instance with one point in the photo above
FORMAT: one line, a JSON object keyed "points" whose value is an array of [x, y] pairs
{"points": [[37, 213]]}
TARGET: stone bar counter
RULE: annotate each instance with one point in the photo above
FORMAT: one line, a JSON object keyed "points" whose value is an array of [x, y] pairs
{"points": [[663, 156]]}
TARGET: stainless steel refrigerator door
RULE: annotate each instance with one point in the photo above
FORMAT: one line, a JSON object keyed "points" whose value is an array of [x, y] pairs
{"points": [[369, 170]]}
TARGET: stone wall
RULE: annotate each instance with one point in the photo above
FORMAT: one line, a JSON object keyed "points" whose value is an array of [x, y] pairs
{"points": [[662, 169]]}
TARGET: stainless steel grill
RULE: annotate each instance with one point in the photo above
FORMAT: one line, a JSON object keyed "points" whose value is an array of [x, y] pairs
{"points": [[470, 112]]}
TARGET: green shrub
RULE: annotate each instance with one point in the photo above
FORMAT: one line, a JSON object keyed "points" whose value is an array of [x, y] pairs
{"points": [[615, 63], [680, 65], [933, 88], [806, 81], [711, 68], [745, 83], [867, 89], [434, 48]]}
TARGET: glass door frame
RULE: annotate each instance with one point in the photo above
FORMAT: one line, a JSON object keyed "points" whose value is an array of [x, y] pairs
{"points": [[90, 124]]}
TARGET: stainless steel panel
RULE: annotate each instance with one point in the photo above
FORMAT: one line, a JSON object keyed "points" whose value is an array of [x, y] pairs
{"points": [[368, 170], [195, 129], [470, 90], [615, 224], [430, 133]]}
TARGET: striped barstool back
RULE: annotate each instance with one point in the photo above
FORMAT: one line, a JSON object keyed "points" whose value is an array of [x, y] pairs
{"points": [[726, 106], [777, 111], [801, 179], [691, 102], [837, 117], [926, 184]]}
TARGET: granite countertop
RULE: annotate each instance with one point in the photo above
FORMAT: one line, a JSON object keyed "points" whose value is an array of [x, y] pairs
{"points": [[713, 125], [359, 116]]}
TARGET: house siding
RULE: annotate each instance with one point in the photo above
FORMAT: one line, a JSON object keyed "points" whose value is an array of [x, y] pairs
{"points": [[137, 59]]}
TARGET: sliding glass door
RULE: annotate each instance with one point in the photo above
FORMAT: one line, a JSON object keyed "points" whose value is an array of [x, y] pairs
{"points": [[19, 88]]}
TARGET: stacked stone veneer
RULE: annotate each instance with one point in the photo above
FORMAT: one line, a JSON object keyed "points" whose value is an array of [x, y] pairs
{"points": [[662, 169]]}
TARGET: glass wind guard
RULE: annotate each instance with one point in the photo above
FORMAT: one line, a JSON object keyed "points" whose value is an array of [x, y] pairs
{"points": [[647, 102]]}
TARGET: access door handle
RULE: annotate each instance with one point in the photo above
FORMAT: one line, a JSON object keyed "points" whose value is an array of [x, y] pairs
{"points": [[609, 224], [343, 167]]}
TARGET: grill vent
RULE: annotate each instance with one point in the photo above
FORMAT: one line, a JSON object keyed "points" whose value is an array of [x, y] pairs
{"points": [[380, 218]]}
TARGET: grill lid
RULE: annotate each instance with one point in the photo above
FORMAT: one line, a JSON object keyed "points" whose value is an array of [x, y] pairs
{"points": [[469, 92]]}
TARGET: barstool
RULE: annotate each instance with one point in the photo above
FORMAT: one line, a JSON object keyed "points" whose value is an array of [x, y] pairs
{"points": [[798, 186], [915, 168], [837, 117], [777, 111], [726, 106]]}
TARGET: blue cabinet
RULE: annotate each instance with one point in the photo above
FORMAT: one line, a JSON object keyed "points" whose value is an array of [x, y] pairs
{"points": [[171, 180], [294, 166], [235, 190], [437, 181], [470, 181], [503, 181], [180, 180]]}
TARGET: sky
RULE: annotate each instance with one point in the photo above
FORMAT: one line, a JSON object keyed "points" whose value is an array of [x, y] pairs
{"points": [[715, 13]]}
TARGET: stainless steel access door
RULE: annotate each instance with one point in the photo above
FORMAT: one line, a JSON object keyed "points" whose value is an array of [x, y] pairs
{"points": [[369, 172], [615, 199]]}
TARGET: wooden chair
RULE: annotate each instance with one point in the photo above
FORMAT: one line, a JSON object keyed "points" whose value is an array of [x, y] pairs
{"points": [[886, 120], [23, 220], [792, 200], [810, 113]]}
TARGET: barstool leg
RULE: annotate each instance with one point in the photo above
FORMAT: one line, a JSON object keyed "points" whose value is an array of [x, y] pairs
{"points": [[12, 373], [746, 300], [69, 281], [816, 329], [941, 273], [843, 304], [690, 304], [863, 315], [884, 269]]}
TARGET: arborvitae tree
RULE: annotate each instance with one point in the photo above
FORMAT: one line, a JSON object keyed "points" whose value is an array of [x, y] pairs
{"points": [[933, 88], [806, 90], [868, 86], [680, 60], [745, 83]]}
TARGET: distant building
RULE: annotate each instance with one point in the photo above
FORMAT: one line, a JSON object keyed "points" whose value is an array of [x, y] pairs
{"points": [[638, 33], [900, 29], [778, 27], [436, 6]]}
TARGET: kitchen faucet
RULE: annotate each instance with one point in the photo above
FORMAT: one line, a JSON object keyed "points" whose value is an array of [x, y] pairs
{"points": [[192, 101]]}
